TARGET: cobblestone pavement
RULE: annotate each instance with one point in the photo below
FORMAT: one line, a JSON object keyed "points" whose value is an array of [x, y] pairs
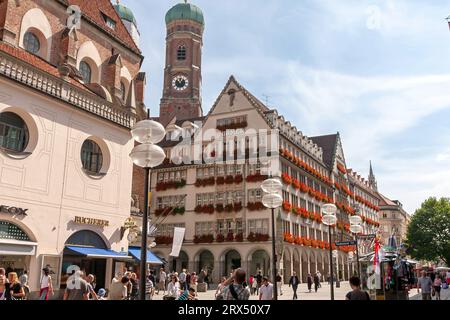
{"points": [[445, 295]]}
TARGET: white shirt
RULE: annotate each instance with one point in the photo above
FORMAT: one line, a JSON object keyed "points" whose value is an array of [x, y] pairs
{"points": [[162, 276], [45, 282], [173, 289], [266, 292], [182, 277]]}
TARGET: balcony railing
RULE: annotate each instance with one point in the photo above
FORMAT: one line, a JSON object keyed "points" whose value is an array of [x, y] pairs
{"points": [[27, 74]]}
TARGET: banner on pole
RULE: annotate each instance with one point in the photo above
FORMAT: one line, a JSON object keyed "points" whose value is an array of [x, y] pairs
{"points": [[178, 237]]}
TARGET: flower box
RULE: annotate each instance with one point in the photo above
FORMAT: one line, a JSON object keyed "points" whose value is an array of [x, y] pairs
{"points": [[229, 208], [229, 180], [239, 237], [237, 207], [219, 207], [287, 206], [220, 180], [257, 237], [238, 179], [230, 237], [220, 238], [254, 206]]}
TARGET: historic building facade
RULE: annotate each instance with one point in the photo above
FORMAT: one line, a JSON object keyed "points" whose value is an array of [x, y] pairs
{"points": [[394, 220], [219, 203], [70, 90]]}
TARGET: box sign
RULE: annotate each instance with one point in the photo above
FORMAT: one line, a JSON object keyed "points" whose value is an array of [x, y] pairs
{"points": [[91, 221], [13, 210]]}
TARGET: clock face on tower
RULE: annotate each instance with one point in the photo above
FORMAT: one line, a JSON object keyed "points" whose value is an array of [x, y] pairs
{"points": [[180, 83]]}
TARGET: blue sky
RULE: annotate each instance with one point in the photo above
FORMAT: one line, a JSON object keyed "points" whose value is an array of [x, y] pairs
{"points": [[376, 71]]}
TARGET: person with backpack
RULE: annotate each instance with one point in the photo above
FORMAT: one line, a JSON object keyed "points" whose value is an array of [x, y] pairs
{"points": [[235, 289], [356, 293]]}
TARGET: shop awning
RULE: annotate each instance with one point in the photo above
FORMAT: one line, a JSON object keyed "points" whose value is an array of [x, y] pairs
{"points": [[98, 253], [151, 258], [17, 248]]}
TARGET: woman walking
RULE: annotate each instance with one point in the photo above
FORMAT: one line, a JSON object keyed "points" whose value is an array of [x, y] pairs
{"points": [[16, 289], [46, 285], [437, 287]]}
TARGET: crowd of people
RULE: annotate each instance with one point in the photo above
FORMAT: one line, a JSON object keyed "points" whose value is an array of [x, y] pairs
{"points": [[431, 284]]}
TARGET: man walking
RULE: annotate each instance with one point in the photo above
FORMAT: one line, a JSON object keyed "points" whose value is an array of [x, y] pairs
{"points": [[162, 281], [259, 279], [266, 290], [426, 285], [319, 275], [294, 282], [234, 289], [316, 282], [182, 279], [77, 287], [279, 283]]}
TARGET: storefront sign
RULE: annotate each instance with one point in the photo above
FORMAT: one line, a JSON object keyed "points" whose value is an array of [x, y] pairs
{"points": [[91, 221], [345, 243], [367, 237], [13, 210]]}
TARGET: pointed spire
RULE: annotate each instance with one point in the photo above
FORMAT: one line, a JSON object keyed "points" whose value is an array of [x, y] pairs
{"points": [[372, 179]]}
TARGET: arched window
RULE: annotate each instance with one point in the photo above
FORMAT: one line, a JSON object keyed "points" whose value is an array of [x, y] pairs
{"points": [[86, 238], [181, 53], [123, 91], [13, 132], [85, 71], [10, 231], [31, 43], [91, 156]]}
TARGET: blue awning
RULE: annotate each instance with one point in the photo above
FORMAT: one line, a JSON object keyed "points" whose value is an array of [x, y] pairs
{"points": [[151, 258], [98, 253]]}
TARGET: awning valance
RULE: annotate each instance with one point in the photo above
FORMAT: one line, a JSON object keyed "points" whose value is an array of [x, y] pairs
{"points": [[151, 258], [97, 253], [17, 247]]}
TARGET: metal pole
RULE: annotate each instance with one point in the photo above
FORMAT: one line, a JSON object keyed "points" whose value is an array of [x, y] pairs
{"points": [[357, 257], [331, 263], [143, 273], [274, 259]]}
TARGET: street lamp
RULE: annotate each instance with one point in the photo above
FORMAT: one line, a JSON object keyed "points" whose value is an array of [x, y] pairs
{"points": [[273, 200], [146, 155], [356, 228], [329, 218]]}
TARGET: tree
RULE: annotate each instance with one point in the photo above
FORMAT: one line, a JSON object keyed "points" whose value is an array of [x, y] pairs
{"points": [[428, 235]]}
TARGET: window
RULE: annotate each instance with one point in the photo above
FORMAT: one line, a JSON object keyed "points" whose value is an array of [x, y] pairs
{"points": [[181, 53], [204, 228], [261, 226], [123, 91], [13, 132], [31, 43], [86, 72], [91, 156]]}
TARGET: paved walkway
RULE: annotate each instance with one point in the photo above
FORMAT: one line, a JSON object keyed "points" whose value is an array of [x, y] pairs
{"points": [[323, 293]]}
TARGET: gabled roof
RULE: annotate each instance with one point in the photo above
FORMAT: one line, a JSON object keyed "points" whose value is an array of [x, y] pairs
{"points": [[328, 143], [260, 107], [93, 9], [385, 201]]}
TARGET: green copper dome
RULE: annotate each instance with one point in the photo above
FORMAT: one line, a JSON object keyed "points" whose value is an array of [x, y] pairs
{"points": [[185, 11], [125, 13]]}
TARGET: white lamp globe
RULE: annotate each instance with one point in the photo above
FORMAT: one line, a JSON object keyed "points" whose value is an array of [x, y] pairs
{"points": [[329, 219], [148, 131], [356, 228], [355, 220], [272, 201], [271, 186], [147, 155], [329, 209]]}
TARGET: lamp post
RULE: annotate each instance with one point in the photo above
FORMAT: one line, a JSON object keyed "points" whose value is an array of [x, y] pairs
{"points": [[356, 228], [273, 200], [329, 218], [146, 155]]}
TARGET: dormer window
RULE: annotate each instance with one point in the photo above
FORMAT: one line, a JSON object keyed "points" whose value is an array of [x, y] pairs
{"points": [[31, 43], [109, 22], [86, 72]]}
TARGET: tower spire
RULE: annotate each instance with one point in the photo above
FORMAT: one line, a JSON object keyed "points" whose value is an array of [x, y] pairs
{"points": [[372, 179]]}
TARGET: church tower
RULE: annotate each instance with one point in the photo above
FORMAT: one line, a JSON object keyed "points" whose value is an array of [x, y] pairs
{"points": [[372, 179], [182, 74]]}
